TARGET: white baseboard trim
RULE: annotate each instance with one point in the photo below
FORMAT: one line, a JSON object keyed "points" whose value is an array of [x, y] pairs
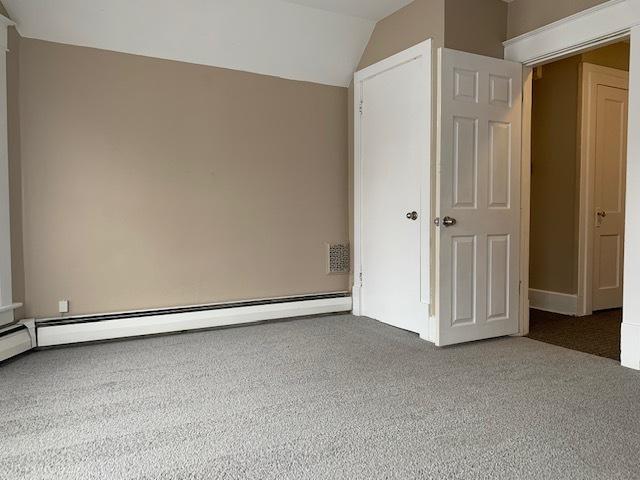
{"points": [[51, 334], [630, 346], [553, 302]]}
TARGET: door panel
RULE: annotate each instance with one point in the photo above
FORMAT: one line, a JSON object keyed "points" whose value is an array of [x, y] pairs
{"points": [[465, 162], [464, 288], [498, 282], [394, 142], [609, 196], [478, 186], [499, 164]]}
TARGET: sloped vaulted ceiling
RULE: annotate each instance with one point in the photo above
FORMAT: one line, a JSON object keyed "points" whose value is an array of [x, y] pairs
{"points": [[313, 40]]}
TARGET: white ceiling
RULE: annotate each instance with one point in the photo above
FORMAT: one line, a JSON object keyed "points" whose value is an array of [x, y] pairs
{"points": [[313, 40]]}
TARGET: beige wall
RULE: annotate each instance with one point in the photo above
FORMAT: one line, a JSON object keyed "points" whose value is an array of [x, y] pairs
{"points": [[475, 26], [15, 168], [527, 15], [555, 168], [150, 183], [408, 26], [462, 21]]}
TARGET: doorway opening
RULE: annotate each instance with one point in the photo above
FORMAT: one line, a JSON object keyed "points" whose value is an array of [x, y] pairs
{"points": [[578, 180]]}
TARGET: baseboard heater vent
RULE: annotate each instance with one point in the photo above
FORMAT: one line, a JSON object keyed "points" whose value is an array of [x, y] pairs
{"points": [[16, 339], [62, 331]]}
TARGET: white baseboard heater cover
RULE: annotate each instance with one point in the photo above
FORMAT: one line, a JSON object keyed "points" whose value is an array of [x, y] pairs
{"points": [[16, 339], [70, 330]]}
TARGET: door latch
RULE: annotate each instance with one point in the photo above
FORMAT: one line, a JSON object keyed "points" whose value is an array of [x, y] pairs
{"points": [[445, 222]]}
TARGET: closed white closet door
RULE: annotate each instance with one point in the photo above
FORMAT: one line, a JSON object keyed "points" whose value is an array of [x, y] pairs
{"points": [[394, 149]]}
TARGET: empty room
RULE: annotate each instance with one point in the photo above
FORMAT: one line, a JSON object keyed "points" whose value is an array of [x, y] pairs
{"points": [[319, 239]]}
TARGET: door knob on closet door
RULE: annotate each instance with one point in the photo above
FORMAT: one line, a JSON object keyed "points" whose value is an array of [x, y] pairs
{"points": [[412, 215]]}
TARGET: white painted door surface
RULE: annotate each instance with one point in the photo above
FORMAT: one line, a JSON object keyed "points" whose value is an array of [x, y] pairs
{"points": [[609, 196], [478, 186], [394, 140]]}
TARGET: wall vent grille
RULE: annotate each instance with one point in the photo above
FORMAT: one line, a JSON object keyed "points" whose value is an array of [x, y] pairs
{"points": [[338, 258]]}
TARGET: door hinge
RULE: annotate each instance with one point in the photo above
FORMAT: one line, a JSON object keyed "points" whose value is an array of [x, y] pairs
{"points": [[360, 278], [361, 107]]}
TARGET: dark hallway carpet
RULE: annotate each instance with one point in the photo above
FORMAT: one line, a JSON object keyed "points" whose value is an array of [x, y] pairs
{"points": [[597, 334]]}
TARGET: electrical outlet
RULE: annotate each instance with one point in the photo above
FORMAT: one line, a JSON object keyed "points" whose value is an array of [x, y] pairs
{"points": [[63, 306]]}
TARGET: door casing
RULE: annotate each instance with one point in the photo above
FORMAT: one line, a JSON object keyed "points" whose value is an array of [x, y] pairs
{"points": [[604, 24]]}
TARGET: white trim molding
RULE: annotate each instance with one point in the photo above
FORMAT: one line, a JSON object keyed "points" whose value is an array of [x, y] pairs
{"points": [[90, 329], [630, 347], [525, 198], [595, 26], [6, 295], [555, 302]]}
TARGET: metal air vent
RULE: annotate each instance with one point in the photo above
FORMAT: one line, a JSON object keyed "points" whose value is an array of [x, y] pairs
{"points": [[338, 258]]}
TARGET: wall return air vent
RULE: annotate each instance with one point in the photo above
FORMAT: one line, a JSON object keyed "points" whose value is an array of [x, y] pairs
{"points": [[338, 258]]}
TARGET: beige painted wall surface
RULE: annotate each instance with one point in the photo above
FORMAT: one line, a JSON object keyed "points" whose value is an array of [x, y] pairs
{"points": [[408, 26], [527, 15], [15, 169], [150, 183], [476, 26], [553, 178], [555, 172], [614, 56]]}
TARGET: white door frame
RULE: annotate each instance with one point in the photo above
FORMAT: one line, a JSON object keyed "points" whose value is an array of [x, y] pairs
{"points": [[605, 23], [590, 76], [423, 49], [7, 306]]}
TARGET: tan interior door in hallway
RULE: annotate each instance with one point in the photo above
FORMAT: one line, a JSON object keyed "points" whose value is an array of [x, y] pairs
{"points": [[609, 195]]}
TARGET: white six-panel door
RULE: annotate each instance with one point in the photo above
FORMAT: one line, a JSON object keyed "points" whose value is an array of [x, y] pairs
{"points": [[478, 197]]}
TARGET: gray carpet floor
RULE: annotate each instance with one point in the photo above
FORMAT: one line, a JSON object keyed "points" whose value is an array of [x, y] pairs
{"points": [[331, 397]]}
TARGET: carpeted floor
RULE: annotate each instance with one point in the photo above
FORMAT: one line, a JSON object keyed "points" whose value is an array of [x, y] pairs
{"points": [[598, 334], [331, 397]]}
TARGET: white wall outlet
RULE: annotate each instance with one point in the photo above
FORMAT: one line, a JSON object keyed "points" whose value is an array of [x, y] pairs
{"points": [[63, 306]]}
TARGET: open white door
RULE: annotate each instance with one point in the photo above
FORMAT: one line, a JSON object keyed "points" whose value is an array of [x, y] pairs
{"points": [[392, 189], [478, 197]]}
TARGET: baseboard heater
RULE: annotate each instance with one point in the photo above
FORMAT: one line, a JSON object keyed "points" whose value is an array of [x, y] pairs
{"points": [[63, 331], [17, 338]]}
